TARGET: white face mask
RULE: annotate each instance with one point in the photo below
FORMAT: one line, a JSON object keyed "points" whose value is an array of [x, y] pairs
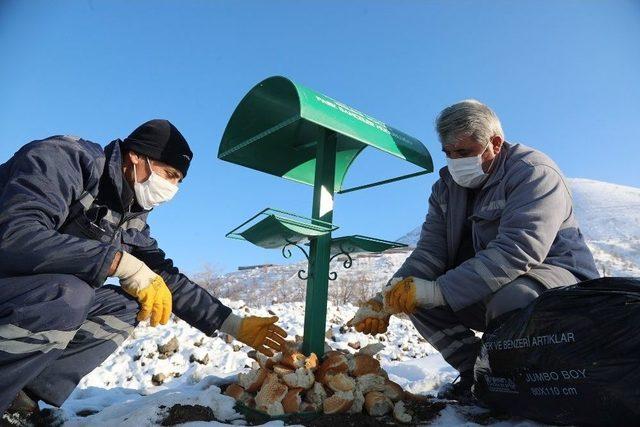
{"points": [[154, 190], [467, 171]]}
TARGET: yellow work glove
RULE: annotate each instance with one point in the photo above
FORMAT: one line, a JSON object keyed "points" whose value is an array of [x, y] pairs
{"points": [[405, 295], [371, 318], [147, 287], [260, 333], [155, 302]]}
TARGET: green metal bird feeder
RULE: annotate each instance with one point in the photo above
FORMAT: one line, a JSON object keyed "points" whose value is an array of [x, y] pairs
{"points": [[290, 131]]}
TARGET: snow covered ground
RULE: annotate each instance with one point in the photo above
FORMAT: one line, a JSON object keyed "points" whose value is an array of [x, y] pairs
{"points": [[121, 391]]}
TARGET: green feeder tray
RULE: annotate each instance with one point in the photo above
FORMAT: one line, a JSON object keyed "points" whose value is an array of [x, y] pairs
{"points": [[356, 243], [348, 245], [272, 228]]}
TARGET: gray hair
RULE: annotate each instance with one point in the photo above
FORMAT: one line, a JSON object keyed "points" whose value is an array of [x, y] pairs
{"points": [[468, 118]]}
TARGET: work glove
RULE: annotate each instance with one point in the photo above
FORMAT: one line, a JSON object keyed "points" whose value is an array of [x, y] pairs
{"points": [[371, 317], [405, 295], [147, 287], [259, 333]]}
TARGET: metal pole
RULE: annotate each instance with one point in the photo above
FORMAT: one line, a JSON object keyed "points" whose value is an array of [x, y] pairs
{"points": [[315, 313]]}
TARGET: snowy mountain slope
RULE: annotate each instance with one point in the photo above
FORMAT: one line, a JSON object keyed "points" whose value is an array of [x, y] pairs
{"points": [[609, 218], [606, 211], [281, 282]]}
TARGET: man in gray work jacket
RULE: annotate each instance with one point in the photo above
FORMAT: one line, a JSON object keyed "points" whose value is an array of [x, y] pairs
{"points": [[73, 214], [499, 231]]}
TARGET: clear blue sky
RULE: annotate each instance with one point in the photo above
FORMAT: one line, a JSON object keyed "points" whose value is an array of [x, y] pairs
{"points": [[562, 75]]}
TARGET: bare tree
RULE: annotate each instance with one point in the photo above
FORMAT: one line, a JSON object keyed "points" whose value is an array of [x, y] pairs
{"points": [[210, 278]]}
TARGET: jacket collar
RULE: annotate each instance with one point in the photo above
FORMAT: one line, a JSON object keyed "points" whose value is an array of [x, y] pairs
{"points": [[498, 173], [120, 188]]}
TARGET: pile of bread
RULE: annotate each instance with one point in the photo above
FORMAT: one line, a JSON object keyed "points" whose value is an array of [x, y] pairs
{"points": [[341, 382]]}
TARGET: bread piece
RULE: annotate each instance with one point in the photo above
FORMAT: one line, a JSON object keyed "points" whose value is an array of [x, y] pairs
{"points": [[339, 403], [393, 391], [351, 362], [272, 391], [316, 395], [291, 356], [370, 382], [400, 413], [333, 364], [293, 360], [341, 382], [265, 361], [311, 362], [332, 353], [377, 404], [235, 391], [292, 400], [302, 378], [386, 306], [366, 311], [365, 364], [309, 407], [358, 401], [371, 349], [282, 370], [251, 402], [274, 409], [252, 380], [383, 373]]}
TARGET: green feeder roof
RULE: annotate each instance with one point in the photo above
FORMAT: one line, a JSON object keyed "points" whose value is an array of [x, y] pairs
{"points": [[277, 125]]}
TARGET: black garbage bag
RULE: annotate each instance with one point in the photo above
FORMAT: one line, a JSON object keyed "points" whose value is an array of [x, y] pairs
{"points": [[571, 357]]}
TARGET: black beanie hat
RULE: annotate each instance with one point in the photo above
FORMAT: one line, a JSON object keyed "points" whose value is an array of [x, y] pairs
{"points": [[160, 140]]}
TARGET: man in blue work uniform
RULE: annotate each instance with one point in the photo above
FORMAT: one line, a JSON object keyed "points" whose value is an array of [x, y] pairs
{"points": [[73, 214]]}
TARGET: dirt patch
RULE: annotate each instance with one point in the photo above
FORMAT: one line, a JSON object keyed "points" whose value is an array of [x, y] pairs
{"points": [[487, 418], [343, 420], [87, 412], [179, 414], [424, 411]]}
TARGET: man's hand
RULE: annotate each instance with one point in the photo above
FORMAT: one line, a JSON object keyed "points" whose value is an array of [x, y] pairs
{"points": [[370, 318], [147, 287], [405, 295], [260, 333]]}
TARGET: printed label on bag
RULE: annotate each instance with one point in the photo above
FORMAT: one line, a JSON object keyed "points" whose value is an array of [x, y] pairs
{"points": [[553, 391], [565, 374], [501, 385], [529, 342]]}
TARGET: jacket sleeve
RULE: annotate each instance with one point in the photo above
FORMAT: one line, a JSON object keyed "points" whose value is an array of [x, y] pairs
{"points": [[191, 302], [428, 260], [42, 181], [536, 204]]}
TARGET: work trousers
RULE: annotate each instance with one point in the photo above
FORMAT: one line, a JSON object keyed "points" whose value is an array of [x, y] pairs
{"points": [[451, 333], [54, 330]]}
